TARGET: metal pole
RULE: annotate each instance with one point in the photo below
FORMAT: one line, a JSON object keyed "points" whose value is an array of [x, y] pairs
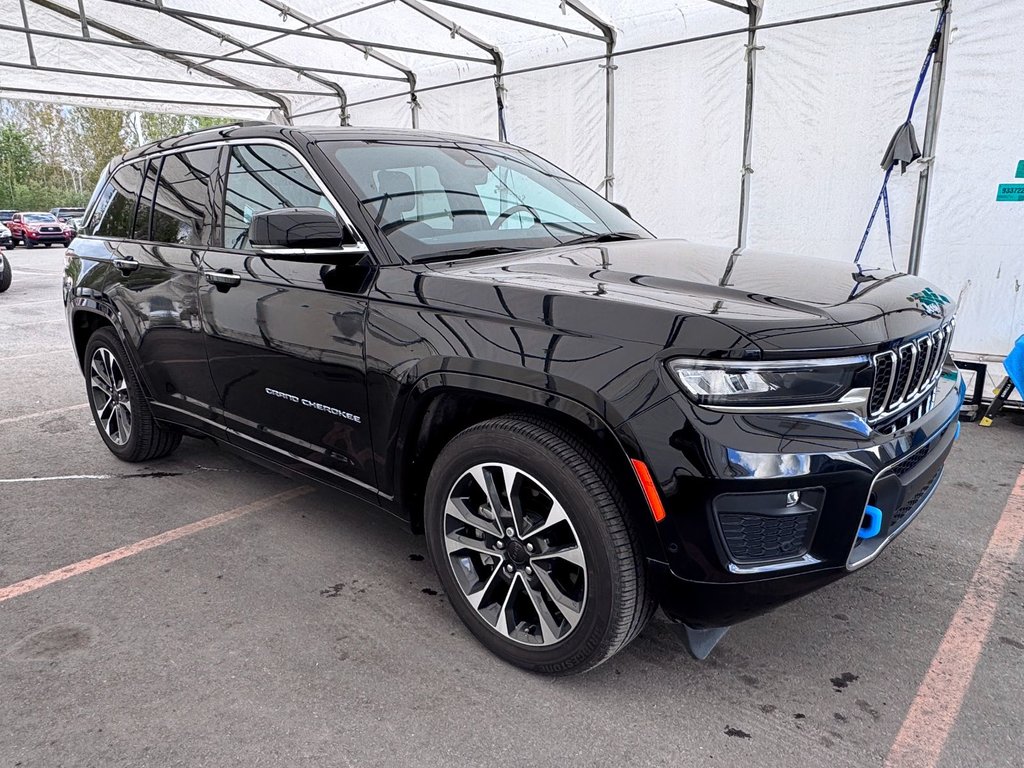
{"points": [[754, 16], [28, 34], [123, 39], [609, 121], [457, 30], [931, 131], [81, 15], [608, 35]]}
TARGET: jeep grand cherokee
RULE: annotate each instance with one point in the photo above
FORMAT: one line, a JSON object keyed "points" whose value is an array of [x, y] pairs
{"points": [[585, 422]]}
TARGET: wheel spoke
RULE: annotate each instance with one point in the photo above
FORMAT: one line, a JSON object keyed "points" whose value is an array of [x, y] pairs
{"points": [[509, 475], [502, 625], [572, 554], [457, 508], [457, 543], [549, 626], [124, 422], [100, 375], [555, 515], [476, 597], [568, 607]]}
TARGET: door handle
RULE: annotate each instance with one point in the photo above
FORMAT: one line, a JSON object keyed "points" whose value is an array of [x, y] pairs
{"points": [[224, 280], [126, 266]]}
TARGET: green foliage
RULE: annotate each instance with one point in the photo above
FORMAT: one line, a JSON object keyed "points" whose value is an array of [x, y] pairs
{"points": [[52, 155]]}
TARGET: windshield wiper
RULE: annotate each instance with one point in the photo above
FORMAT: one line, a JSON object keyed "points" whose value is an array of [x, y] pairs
{"points": [[487, 250], [604, 237]]}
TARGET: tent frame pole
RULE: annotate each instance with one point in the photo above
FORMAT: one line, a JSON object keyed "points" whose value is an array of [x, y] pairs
{"points": [[608, 35], [931, 131], [493, 51], [28, 34], [185, 15], [754, 8], [125, 39], [333, 34]]}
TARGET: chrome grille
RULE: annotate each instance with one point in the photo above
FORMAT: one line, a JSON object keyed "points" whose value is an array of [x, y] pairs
{"points": [[905, 374]]}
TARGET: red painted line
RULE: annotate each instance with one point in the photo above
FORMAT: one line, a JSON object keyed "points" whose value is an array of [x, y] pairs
{"points": [[84, 566], [934, 711]]}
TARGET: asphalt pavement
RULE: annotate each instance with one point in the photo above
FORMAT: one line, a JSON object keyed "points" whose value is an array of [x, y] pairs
{"points": [[306, 628]]}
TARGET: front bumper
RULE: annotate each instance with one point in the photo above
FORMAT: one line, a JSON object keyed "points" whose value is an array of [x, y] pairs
{"points": [[46, 237], [733, 549]]}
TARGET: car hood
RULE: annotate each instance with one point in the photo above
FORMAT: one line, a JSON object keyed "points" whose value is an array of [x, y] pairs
{"points": [[772, 301]]}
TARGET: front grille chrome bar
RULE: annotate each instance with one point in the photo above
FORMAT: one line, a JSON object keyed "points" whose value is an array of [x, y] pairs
{"points": [[906, 374]]}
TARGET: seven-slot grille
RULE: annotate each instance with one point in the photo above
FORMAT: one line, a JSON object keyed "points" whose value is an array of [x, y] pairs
{"points": [[905, 374]]}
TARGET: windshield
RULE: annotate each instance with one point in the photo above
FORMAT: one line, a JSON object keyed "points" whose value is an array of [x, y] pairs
{"points": [[452, 200], [40, 217]]}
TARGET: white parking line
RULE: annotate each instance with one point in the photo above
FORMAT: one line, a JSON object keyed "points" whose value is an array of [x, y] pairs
{"points": [[57, 477], [28, 416], [34, 354], [37, 301]]}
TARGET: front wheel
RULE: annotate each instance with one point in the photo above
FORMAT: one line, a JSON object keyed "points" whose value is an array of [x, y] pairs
{"points": [[528, 532], [119, 405], [28, 243]]}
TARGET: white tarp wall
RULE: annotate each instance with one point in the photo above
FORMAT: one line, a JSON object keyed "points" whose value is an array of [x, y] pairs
{"points": [[828, 97]]}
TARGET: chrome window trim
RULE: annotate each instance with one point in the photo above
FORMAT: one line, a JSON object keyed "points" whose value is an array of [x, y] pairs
{"points": [[359, 247]]}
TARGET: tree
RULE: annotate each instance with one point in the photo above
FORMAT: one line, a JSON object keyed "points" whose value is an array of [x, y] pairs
{"points": [[103, 134], [17, 159]]}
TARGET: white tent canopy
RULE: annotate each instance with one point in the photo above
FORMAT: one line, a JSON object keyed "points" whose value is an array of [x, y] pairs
{"points": [[715, 120]]}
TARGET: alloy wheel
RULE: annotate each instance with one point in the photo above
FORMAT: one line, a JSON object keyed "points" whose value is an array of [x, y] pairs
{"points": [[110, 397], [515, 554]]}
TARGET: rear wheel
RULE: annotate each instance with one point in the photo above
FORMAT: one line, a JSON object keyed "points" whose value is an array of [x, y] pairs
{"points": [[119, 405], [527, 531]]}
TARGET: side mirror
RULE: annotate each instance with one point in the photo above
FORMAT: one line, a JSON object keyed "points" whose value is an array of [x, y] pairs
{"points": [[622, 208], [300, 234]]}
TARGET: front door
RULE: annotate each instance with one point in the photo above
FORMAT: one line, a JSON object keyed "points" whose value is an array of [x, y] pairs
{"points": [[285, 339]]}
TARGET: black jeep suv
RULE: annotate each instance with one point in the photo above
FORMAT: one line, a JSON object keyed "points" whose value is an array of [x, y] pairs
{"points": [[586, 422]]}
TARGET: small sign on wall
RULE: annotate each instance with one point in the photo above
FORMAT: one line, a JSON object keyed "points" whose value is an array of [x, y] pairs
{"points": [[1010, 193]]}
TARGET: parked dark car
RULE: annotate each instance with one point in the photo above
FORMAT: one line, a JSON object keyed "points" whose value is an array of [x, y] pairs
{"points": [[585, 422], [5, 237], [37, 228], [5, 273]]}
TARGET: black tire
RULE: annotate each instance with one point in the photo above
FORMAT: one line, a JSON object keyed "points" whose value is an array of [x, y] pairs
{"points": [[10, 246], [29, 244], [47, 244], [618, 601], [147, 438], [6, 277]]}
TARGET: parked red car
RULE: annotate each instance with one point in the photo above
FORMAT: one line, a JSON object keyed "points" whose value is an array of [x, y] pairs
{"points": [[39, 228]]}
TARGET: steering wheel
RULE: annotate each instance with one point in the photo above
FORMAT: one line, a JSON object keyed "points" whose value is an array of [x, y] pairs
{"points": [[504, 215]]}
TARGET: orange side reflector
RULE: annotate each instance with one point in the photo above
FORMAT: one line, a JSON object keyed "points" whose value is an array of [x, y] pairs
{"points": [[643, 474]]}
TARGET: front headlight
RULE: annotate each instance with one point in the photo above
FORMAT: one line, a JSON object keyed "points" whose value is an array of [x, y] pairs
{"points": [[765, 384]]}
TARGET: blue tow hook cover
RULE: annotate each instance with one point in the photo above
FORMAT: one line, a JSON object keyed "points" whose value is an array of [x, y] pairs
{"points": [[874, 525]]}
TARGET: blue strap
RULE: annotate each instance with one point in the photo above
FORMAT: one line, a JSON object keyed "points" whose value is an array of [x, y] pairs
{"points": [[883, 193]]}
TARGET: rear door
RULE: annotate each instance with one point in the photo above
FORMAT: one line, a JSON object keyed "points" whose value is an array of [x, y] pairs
{"points": [[286, 339], [174, 221]]}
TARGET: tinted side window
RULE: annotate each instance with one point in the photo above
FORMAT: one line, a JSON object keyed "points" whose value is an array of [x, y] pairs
{"points": [[141, 230], [183, 212], [116, 207], [264, 178]]}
